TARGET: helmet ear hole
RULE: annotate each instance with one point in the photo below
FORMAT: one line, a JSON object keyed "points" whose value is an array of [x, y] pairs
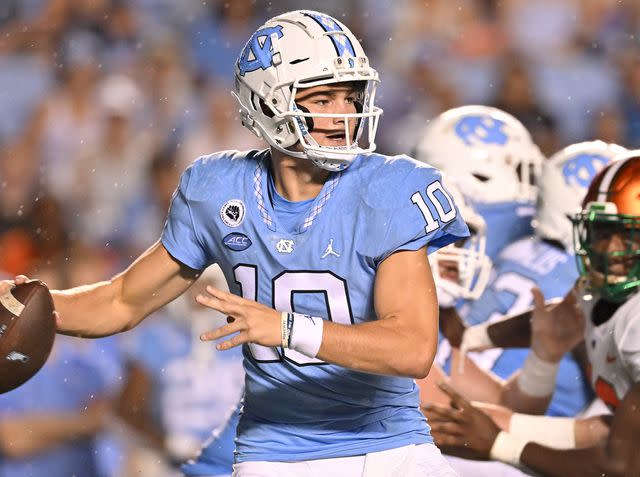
{"points": [[265, 109]]}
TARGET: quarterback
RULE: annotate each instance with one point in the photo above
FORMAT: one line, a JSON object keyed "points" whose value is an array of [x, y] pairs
{"points": [[324, 246]]}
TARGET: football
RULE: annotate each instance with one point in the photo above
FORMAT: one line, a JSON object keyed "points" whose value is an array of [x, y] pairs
{"points": [[27, 331]]}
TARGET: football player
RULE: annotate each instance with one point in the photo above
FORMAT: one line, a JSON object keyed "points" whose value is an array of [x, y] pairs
{"points": [[324, 246], [496, 163], [607, 242], [544, 261], [460, 272]]}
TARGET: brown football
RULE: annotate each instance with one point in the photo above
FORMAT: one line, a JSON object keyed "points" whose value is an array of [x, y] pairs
{"points": [[27, 331]]}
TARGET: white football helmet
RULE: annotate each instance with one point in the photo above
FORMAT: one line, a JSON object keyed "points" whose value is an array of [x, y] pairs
{"points": [[468, 258], [564, 182], [489, 151], [303, 49]]}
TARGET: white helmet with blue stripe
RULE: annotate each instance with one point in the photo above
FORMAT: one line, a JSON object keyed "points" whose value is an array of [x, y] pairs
{"points": [[303, 49]]}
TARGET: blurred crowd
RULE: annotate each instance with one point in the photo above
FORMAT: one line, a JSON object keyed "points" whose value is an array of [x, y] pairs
{"points": [[103, 103]]}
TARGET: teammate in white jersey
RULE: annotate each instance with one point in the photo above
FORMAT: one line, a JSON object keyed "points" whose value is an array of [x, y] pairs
{"points": [[607, 240], [331, 341]]}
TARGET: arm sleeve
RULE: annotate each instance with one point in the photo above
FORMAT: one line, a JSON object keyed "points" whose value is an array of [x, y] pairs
{"points": [[180, 235]]}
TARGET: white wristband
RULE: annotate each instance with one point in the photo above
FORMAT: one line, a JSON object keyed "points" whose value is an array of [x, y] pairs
{"points": [[476, 338], [537, 378], [507, 448], [556, 432], [306, 334]]}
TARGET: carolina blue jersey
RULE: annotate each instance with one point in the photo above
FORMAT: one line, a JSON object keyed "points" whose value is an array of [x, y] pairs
{"points": [[528, 263], [77, 373], [298, 408], [506, 223]]}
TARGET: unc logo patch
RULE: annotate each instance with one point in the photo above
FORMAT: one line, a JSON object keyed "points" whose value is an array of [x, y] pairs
{"points": [[284, 246], [237, 242], [232, 212]]}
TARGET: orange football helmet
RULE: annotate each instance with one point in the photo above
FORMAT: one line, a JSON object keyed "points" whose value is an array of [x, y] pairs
{"points": [[607, 230]]}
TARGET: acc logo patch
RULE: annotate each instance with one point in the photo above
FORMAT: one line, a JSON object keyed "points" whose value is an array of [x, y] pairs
{"points": [[232, 212], [237, 242]]}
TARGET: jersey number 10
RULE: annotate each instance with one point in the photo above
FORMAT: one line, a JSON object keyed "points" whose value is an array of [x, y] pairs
{"points": [[284, 288], [445, 217]]}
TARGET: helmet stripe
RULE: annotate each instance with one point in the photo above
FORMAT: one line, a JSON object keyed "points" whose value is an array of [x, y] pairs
{"points": [[342, 43]]}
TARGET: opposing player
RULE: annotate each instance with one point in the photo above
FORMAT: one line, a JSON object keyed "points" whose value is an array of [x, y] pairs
{"points": [[545, 261], [607, 241], [323, 244], [496, 162]]}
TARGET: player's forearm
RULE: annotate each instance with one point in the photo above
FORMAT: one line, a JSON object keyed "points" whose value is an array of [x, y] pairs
{"points": [[91, 310], [24, 436], [588, 462], [592, 431], [119, 304], [513, 332], [379, 347]]}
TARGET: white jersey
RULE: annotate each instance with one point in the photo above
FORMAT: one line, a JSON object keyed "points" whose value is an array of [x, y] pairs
{"points": [[614, 350]]}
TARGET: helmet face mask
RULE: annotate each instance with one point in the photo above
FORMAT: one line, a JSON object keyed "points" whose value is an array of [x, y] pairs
{"points": [[564, 181], [470, 264], [296, 51], [461, 270], [607, 230], [613, 271]]}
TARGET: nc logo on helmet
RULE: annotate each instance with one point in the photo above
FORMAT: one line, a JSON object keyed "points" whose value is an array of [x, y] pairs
{"points": [[475, 130], [581, 169], [258, 53]]}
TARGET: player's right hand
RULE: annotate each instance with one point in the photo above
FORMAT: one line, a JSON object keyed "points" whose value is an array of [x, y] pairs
{"points": [[7, 285], [555, 330], [452, 326], [248, 321]]}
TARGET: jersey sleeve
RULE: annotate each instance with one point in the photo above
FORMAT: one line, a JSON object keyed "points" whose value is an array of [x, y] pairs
{"points": [[424, 213], [180, 235], [627, 336]]}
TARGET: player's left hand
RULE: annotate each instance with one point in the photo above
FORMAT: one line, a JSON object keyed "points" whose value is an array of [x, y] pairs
{"points": [[556, 329], [461, 429], [252, 321]]}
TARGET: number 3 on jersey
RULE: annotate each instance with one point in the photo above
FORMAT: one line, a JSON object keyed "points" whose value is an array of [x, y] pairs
{"points": [[284, 288], [440, 200]]}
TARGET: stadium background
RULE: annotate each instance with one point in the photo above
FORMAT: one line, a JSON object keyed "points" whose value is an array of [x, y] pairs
{"points": [[104, 102]]}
